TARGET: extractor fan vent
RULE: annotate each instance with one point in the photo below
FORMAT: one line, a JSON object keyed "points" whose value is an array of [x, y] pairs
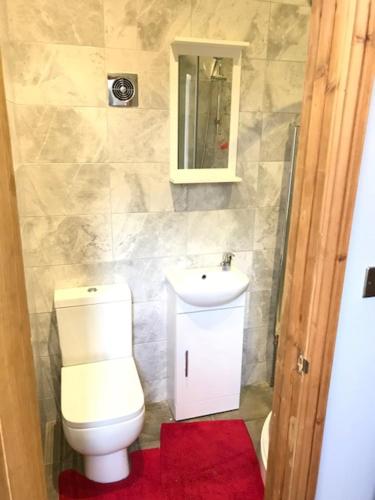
{"points": [[123, 90]]}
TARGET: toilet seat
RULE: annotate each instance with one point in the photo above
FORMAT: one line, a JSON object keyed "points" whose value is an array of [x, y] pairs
{"points": [[101, 393]]}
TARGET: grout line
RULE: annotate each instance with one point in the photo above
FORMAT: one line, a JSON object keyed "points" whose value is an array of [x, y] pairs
{"points": [[178, 214]]}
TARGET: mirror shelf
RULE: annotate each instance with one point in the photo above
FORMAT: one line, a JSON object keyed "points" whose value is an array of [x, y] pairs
{"points": [[204, 176], [205, 80]]}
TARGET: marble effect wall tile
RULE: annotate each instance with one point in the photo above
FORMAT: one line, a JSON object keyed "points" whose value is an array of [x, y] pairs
{"points": [[120, 21], [256, 344], [270, 182], [262, 271], [78, 22], [61, 134], [252, 83], [266, 227], [226, 20], [148, 235], [149, 127], [48, 411], [13, 135], [149, 322], [260, 309], [205, 233], [160, 21], [57, 74], [249, 137], [225, 196], [284, 86], [42, 281], [144, 187], [288, 33], [151, 361], [44, 336], [146, 277], [255, 373], [66, 240], [255, 361], [155, 390], [63, 189], [145, 24], [44, 377], [276, 136], [6, 61]]}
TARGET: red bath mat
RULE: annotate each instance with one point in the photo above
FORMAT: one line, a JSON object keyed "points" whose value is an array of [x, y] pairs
{"points": [[209, 461], [143, 482], [197, 461]]}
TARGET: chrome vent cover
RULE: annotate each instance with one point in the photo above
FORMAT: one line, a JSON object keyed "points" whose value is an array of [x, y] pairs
{"points": [[123, 90]]}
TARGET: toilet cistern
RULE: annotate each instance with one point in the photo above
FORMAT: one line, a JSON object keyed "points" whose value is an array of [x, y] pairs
{"points": [[227, 260]]}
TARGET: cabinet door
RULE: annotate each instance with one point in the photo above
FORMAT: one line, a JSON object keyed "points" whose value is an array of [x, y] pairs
{"points": [[209, 357]]}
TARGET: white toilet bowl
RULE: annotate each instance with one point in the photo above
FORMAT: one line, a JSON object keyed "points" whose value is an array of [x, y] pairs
{"points": [[103, 412], [264, 446], [102, 401]]}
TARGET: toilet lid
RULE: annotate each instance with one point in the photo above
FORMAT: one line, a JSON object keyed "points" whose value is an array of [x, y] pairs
{"points": [[101, 393]]}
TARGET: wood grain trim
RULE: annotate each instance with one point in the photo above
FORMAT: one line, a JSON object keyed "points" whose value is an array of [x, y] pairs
{"points": [[5, 488], [22, 450], [363, 66], [336, 100]]}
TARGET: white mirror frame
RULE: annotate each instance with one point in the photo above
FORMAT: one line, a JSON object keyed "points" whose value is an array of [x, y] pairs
{"points": [[211, 48]]}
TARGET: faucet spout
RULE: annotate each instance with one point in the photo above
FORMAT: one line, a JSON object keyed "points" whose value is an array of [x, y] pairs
{"points": [[227, 260]]}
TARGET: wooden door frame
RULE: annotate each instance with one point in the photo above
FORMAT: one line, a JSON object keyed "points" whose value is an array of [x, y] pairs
{"points": [[21, 458], [339, 79]]}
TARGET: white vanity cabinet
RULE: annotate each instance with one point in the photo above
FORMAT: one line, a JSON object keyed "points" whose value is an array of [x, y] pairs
{"points": [[204, 356]]}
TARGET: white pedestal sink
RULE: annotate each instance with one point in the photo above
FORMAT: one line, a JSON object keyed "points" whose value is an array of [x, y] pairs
{"points": [[205, 335]]}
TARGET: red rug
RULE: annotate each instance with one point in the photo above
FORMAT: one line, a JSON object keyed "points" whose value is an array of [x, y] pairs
{"points": [[209, 461], [143, 482], [196, 461]]}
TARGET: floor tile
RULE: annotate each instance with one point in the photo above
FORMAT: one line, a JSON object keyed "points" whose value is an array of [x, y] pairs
{"points": [[204, 418], [255, 429], [256, 402], [150, 444], [51, 474], [156, 414]]}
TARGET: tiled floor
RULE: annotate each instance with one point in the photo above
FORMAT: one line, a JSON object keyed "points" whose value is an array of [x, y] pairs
{"points": [[256, 402]]}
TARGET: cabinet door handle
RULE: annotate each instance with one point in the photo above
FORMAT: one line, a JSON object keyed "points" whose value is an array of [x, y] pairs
{"points": [[186, 363]]}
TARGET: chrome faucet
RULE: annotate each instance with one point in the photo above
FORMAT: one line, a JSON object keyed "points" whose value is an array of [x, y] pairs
{"points": [[227, 260]]}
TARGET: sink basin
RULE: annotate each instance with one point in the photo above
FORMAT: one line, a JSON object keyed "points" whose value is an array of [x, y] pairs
{"points": [[209, 286]]}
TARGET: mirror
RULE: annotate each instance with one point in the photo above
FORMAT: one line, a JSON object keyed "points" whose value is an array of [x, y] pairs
{"points": [[204, 103], [205, 90]]}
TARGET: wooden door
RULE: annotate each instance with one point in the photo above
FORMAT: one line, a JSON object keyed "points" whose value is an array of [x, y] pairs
{"points": [[21, 464], [339, 79]]}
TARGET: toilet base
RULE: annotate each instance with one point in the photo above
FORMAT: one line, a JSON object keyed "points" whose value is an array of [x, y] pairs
{"points": [[107, 468]]}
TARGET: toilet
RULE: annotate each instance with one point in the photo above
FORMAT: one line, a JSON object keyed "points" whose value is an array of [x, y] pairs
{"points": [[264, 446], [102, 401]]}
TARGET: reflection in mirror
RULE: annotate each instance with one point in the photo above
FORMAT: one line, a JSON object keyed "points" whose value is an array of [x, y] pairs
{"points": [[204, 108]]}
